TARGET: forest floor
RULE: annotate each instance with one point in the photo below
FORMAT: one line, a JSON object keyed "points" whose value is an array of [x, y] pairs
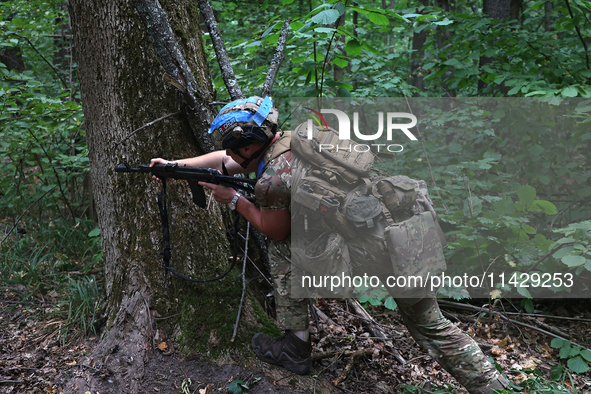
{"points": [[351, 358]]}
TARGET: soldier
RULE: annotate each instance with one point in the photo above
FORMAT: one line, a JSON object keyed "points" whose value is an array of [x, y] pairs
{"points": [[246, 132]]}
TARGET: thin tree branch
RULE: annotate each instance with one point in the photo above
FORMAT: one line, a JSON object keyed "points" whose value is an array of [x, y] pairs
{"points": [[59, 183], [502, 316], [578, 32], [45, 60], [556, 248], [337, 25], [220, 50], [314, 52], [426, 156], [277, 60], [146, 125], [243, 282], [23, 214]]}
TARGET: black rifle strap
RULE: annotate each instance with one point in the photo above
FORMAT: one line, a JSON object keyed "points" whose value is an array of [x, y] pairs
{"points": [[166, 237]]}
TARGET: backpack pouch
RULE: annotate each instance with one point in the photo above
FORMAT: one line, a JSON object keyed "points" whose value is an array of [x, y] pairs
{"points": [[416, 254]]}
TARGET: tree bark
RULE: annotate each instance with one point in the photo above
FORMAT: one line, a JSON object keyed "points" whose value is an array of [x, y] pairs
{"points": [[122, 88]]}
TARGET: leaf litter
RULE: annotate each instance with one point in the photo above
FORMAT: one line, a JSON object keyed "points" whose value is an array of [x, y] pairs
{"points": [[347, 354]]}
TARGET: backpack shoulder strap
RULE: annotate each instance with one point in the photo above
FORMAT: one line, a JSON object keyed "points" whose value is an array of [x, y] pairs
{"points": [[281, 145]]}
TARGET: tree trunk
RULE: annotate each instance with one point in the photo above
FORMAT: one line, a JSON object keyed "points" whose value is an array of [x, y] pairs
{"points": [[498, 10], [122, 89], [417, 57]]}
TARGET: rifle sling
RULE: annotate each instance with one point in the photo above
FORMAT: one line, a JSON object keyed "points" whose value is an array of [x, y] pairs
{"points": [[166, 238]]}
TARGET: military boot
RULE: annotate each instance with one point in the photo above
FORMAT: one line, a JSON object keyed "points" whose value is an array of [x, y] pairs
{"points": [[500, 383], [289, 351]]}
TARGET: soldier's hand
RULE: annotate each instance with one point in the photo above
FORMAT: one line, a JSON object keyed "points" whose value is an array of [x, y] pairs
{"points": [[158, 161], [222, 194]]}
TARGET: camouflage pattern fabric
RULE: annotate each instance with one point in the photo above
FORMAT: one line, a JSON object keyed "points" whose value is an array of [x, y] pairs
{"points": [[273, 191], [455, 351], [292, 313]]}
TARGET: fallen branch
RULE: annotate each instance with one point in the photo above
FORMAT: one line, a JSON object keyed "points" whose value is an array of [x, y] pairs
{"points": [[502, 316], [277, 60], [375, 329], [343, 375], [351, 354], [220, 50], [321, 314], [346, 353]]}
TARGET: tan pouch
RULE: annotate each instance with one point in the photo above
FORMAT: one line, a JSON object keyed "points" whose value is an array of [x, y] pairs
{"points": [[416, 254], [325, 257]]}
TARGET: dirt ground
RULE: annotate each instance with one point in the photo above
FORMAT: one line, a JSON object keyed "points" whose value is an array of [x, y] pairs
{"points": [[351, 359]]}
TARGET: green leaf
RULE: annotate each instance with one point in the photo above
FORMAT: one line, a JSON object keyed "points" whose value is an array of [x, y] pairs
{"points": [[391, 304], [527, 195], [569, 91], [378, 19], [557, 343], [557, 371], [586, 354], [565, 350], [342, 92], [326, 17], [574, 351], [287, 1], [235, 386], [560, 253], [542, 205], [577, 365], [444, 22], [523, 291], [529, 229], [472, 207], [535, 150], [504, 207], [375, 301], [353, 47], [573, 261], [326, 30], [342, 63], [94, 232], [528, 305]]}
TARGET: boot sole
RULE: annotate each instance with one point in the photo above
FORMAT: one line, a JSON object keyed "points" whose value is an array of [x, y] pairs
{"points": [[298, 367]]}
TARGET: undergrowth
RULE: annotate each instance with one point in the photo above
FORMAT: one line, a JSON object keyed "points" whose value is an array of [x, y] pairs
{"points": [[57, 265]]}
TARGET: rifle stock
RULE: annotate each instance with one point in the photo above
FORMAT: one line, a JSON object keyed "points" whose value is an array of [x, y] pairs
{"points": [[193, 175]]}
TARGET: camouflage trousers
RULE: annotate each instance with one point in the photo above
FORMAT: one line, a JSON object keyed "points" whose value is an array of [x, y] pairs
{"points": [[455, 351]]}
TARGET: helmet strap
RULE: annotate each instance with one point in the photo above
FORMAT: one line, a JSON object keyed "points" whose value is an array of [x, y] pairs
{"points": [[248, 160]]}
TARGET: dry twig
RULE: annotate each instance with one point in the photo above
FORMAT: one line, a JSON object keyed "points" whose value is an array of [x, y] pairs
{"points": [[277, 59], [220, 50]]}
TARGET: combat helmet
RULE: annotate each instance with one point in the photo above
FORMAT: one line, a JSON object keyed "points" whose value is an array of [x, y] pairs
{"points": [[243, 122]]}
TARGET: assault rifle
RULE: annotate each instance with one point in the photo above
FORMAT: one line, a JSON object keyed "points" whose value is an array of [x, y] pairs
{"points": [[193, 175]]}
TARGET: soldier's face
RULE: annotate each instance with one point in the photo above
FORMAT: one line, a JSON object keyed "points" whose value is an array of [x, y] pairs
{"points": [[236, 157]]}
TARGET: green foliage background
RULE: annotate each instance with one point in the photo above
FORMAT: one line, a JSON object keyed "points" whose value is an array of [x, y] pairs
{"points": [[507, 197]]}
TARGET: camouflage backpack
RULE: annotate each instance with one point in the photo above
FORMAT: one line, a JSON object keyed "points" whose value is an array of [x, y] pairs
{"points": [[336, 197]]}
